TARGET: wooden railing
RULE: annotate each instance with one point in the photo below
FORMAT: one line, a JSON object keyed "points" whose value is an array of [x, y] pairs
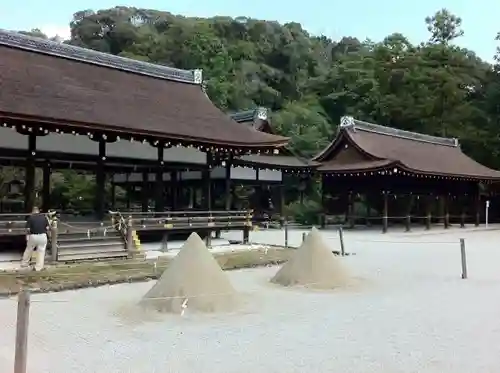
{"points": [[127, 223], [119, 223], [185, 220], [15, 224]]}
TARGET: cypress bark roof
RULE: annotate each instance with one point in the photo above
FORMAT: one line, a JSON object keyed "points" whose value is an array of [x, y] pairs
{"points": [[258, 119], [377, 147], [57, 83]]}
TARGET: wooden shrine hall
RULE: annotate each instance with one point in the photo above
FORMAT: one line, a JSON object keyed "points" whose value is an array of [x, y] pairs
{"points": [[376, 174], [262, 173], [63, 107]]}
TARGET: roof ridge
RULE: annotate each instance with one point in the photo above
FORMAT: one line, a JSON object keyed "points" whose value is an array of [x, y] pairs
{"points": [[350, 123], [17, 40]]}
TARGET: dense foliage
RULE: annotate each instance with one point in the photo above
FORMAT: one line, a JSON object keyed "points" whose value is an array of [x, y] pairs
{"points": [[310, 81]]}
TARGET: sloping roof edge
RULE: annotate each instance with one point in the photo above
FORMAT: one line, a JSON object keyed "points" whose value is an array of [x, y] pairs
{"points": [[67, 51], [354, 131], [348, 123]]}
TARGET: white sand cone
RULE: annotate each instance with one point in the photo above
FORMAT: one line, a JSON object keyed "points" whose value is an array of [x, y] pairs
{"points": [[313, 265], [193, 280]]}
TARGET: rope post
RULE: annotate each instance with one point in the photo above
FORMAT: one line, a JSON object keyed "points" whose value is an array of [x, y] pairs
{"points": [[208, 239], [23, 310], [247, 226], [341, 237], [54, 247], [285, 225], [464, 258], [129, 244], [164, 242]]}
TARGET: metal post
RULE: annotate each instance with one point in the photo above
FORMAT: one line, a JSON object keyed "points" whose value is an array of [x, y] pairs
{"points": [[23, 310], [285, 225], [303, 236], [341, 236], [54, 247], [464, 258]]}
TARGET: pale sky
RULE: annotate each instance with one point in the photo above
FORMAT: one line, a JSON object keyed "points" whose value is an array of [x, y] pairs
{"points": [[359, 18]]}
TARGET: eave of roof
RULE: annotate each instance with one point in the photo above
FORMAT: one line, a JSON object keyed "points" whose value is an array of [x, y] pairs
{"points": [[413, 152], [277, 161], [355, 167]]}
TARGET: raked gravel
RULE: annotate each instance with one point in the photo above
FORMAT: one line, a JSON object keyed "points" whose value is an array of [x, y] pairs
{"points": [[410, 313]]}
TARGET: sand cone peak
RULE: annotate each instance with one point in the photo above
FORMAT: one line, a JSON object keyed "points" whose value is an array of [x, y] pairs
{"points": [[193, 279], [312, 265]]}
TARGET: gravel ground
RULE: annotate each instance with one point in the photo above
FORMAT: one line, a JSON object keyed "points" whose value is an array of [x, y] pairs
{"points": [[410, 313]]}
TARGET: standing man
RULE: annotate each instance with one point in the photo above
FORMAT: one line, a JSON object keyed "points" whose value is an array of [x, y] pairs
{"points": [[37, 226]]}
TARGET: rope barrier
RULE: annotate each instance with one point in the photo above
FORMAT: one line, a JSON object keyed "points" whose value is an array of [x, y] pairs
{"points": [[225, 294], [401, 217], [80, 229]]}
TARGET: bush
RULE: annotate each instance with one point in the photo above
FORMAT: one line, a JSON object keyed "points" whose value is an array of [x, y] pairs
{"points": [[306, 213]]}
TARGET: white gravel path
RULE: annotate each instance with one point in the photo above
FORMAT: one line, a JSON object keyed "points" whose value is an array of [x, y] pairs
{"points": [[412, 313]]}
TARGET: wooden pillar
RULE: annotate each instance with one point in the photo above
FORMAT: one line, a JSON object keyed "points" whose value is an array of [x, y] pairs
{"points": [[207, 184], [128, 188], [368, 210], [385, 216], [145, 191], [323, 202], [282, 203], [159, 202], [408, 212], [174, 189], [29, 186], [477, 203], [46, 187], [192, 197], [113, 192], [350, 210], [227, 184], [100, 180], [463, 209], [446, 206], [428, 212]]}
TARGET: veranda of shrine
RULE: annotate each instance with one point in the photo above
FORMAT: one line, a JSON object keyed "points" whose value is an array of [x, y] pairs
{"points": [[66, 107], [153, 131]]}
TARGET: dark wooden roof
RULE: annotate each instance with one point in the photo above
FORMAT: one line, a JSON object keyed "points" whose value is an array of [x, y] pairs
{"points": [[57, 83], [258, 119], [362, 146]]}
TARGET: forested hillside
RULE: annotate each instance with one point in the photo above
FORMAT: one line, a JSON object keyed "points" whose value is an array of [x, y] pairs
{"points": [[309, 81]]}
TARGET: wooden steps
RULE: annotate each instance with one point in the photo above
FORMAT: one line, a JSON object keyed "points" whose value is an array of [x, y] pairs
{"points": [[75, 246]]}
